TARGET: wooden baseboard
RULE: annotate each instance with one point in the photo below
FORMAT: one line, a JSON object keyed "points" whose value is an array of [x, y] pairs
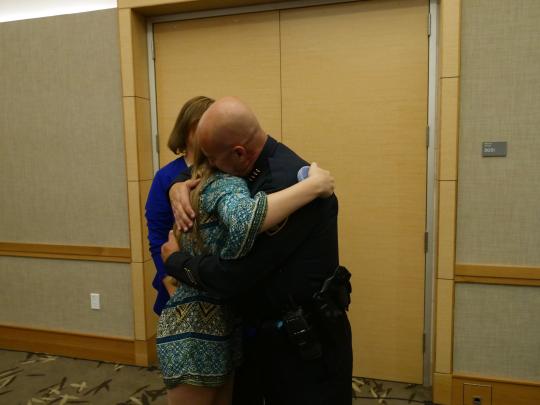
{"points": [[83, 346], [494, 391], [442, 388]]}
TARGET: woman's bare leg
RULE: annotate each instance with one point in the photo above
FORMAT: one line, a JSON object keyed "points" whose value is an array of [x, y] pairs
{"points": [[186, 394], [224, 394]]}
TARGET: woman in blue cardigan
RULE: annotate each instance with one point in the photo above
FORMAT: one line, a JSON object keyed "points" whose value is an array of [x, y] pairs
{"points": [[159, 214]]}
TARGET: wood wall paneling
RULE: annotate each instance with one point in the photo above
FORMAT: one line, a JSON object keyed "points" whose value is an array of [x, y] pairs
{"points": [[114, 349], [502, 274], [446, 230], [134, 54], [126, 52], [449, 38], [494, 391], [144, 188], [139, 312], [160, 7], [97, 253], [475, 392], [442, 389], [140, 56], [150, 295], [444, 326], [134, 68], [501, 271], [135, 221], [130, 138], [144, 139], [92, 347], [449, 123], [138, 138], [145, 352], [496, 280]]}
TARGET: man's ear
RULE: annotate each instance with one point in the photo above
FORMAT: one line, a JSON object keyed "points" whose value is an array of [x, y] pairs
{"points": [[240, 152]]}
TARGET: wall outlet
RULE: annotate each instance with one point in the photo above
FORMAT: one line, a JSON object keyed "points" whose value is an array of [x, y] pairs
{"points": [[95, 301]]}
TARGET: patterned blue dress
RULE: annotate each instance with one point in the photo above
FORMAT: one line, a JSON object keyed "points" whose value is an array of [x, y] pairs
{"points": [[198, 337]]}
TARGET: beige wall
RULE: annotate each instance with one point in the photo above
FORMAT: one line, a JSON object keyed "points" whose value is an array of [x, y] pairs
{"points": [[55, 295], [63, 168], [498, 211], [498, 217], [61, 137], [497, 330]]}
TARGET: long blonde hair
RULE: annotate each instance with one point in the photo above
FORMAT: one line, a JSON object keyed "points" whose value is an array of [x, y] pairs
{"points": [[186, 123], [202, 171]]}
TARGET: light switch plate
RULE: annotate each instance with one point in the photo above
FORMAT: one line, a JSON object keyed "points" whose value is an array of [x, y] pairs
{"points": [[95, 301]]}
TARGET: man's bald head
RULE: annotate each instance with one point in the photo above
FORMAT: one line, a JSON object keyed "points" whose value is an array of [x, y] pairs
{"points": [[230, 135], [229, 122]]}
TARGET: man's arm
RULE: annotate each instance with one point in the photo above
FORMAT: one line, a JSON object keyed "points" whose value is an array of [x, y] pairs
{"points": [[227, 278]]}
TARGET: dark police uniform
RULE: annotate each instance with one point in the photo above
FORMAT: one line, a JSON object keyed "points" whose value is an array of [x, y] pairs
{"points": [[285, 267]]}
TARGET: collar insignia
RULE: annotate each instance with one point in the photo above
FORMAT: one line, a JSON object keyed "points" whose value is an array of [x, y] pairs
{"points": [[254, 174]]}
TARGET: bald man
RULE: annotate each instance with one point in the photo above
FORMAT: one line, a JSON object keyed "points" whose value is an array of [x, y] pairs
{"points": [[297, 344]]}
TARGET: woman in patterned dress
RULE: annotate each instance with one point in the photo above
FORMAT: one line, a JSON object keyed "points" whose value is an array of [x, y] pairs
{"points": [[159, 214], [198, 339]]}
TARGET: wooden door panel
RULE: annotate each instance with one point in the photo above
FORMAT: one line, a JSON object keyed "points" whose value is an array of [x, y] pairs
{"points": [[344, 85], [229, 55], [354, 83]]}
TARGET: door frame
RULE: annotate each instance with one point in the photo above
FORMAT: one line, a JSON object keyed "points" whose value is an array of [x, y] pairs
{"points": [[432, 194], [431, 139]]}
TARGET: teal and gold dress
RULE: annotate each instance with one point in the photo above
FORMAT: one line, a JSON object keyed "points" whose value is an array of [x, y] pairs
{"points": [[198, 337]]}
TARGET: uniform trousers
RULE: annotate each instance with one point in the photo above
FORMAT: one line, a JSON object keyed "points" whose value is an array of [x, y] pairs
{"points": [[274, 373]]}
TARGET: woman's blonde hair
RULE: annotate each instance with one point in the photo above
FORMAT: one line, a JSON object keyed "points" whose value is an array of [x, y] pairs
{"points": [[186, 122]]}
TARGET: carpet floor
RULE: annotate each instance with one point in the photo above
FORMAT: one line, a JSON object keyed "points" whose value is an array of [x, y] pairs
{"points": [[34, 378]]}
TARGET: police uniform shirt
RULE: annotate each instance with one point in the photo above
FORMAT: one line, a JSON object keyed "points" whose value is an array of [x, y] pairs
{"points": [[287, 264]]}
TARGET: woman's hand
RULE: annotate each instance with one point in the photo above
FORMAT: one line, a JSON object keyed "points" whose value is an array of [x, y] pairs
{"points": [[181, 206], [322, 180]]}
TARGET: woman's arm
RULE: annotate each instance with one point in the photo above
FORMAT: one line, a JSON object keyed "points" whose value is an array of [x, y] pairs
{"points": [[159, 220], [283, 203], [245, 216]]}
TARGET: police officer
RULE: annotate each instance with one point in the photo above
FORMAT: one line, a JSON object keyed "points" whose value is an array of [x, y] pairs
{"points": [[289, 290]]}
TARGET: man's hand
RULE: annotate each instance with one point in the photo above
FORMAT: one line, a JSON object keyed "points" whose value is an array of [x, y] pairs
{"points": [[169, 247], [181, 206], [171, 284]]}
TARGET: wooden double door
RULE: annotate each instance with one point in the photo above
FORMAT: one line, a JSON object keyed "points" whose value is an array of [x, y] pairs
{"points": [[344, 85]]}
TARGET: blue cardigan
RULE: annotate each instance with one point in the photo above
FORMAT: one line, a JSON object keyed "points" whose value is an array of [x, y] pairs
{"points": [[160, 220]]}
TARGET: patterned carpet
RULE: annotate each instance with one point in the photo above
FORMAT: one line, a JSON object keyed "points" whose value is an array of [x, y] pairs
{"points": [[370, 392], [30, 378]]}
